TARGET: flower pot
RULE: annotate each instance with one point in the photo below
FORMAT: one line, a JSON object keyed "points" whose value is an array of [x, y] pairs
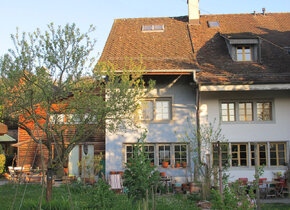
{"points": [[177, 165], [113, 172], [184, 164], [151, 164], [163, 174], [165, 164], [120, 172], [65, 171]]}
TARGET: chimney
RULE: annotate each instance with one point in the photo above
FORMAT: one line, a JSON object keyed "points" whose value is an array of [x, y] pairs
{"points": [[264, 11], [193, 12]]}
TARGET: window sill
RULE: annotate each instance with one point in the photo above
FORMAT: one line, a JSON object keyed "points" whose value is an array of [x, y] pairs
{"points": [[247, 122], [253, 168], [157, 121]]}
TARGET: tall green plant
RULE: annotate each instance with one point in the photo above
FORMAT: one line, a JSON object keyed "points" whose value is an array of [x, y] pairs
{"points": [[200, 141], [140, 176], [2, 160]]}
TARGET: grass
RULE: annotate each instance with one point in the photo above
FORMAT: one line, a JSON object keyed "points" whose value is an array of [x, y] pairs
{"points": [[83, 198]]}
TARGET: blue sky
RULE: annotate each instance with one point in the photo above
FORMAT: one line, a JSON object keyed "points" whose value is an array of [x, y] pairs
{"points": [[31, 14]]}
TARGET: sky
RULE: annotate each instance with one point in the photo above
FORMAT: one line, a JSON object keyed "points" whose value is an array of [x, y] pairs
{"points": [[31, 14]]}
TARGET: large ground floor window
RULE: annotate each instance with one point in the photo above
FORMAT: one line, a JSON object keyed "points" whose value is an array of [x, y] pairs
{"points": [[243, 154], [157, 153]]}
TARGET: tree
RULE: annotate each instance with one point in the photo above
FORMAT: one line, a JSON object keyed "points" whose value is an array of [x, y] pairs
{"points": [[52, 89], [140, 176], [200, 142]]}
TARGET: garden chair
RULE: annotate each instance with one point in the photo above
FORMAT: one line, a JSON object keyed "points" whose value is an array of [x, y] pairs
{"points": [[115, 180], [263, 187], [243, 181], [13, 176]]}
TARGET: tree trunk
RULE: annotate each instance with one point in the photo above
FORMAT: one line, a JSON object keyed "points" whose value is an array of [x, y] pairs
{"points": [[220, 170], [257, 178], [49, 175]]}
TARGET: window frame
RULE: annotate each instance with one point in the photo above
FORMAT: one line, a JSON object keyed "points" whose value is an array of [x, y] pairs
{"points": [[180, 158], [228, 111], [254, 103], [156, 146], [154, 107], [244, 53], [270, 111], [223, 152], [239, 154], [277, 153], [258, 155]]}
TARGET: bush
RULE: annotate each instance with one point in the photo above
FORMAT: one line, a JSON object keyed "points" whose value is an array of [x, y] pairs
{"points": [[2, 163], [102, 196], [140, 176]]}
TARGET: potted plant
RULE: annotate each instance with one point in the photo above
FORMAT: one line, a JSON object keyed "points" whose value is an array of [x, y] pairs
{"points": [[165, 163], [177, 164], [184, 164]]}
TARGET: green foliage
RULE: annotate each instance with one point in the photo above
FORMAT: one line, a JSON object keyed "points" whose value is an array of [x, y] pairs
{"points": [[101, 196], [50, 81], [234, 197], [140, 176], [2, 163]]}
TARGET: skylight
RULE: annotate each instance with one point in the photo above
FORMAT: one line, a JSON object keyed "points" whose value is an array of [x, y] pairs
{"points": [[153, 28], [213, 24]]}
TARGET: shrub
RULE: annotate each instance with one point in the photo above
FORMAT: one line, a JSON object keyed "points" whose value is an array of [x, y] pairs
{"points": [[102, 196], [140, 176], [2, 160]]}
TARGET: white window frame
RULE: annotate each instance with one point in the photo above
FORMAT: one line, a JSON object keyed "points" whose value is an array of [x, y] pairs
{"points": [[154, 107], [156, 153], [254, 110]]}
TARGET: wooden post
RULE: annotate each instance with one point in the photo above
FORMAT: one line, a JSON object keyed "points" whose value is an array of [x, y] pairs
{"points": [[220, 170], [49, 175], [257, 177]]}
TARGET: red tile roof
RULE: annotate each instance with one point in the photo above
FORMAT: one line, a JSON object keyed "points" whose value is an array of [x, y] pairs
{"points": [[183, 46]]}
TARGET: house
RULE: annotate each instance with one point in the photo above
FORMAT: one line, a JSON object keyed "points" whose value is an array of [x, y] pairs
{"points": [[230, 69]]}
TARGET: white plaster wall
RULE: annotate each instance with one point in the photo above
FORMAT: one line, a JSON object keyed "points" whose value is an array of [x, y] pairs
{"points": [[276, 130], [183, 105]]}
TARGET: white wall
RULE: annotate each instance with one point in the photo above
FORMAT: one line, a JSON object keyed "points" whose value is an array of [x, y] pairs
{"points": [[183, 105], [276, 130]]}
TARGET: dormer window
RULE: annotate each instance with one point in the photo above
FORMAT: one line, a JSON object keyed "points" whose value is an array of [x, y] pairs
{"points": [[244, 53], [243, 47], [153, 28]]}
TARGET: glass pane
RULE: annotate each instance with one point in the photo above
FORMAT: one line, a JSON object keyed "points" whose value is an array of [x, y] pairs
{"points": [[273, 147], [129, 148], [231, 106], [262, 155], [244, 162], [234, 148], [243, 147], [273, 154], [234, 155], [281, 147], [282, 162], [262, 147], [235, 163], [232, 118], [243, 155], [253, 162], [224, 118], [224, 106], [247, 50], [239, 57], [281, 155], [273, 162], [263, 162], [248, 57]]}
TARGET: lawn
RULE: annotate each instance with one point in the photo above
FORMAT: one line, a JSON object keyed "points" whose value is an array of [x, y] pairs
{"points": [[90, 198], [82, 198]]}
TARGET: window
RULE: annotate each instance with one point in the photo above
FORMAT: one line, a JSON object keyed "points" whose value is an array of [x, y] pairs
{"points": [[278, 154], [244, 53], [147, 110], [245, 112], [57, 118], [153, 28], [262, 154], [129, 152], [164, 154], [239, 155], [264, 111], [156, 109], [180, 153], [224, 152], [150, 152], [228, 112], [157, 153]]}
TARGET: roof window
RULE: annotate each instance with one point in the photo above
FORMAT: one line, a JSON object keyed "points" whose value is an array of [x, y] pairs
{"points": [[153, 28], [213, 24]]}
